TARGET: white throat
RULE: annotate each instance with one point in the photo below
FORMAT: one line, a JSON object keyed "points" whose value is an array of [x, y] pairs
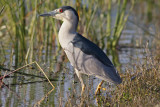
{"points": [[68, 27], [67, 32]]}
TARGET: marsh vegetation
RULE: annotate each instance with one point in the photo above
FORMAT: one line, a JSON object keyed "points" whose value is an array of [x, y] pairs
{"points": [[127, 30]]}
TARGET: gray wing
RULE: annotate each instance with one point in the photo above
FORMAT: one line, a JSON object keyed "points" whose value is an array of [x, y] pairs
{"points": [[96, 62], [90, 48]]}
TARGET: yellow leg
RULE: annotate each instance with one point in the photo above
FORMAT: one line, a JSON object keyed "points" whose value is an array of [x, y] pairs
{"points": [[99, 87], [83, 88], [80, 78]]}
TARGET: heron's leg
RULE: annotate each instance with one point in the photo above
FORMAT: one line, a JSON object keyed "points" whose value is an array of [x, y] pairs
{"points": [[99, 87], [80, 78]]}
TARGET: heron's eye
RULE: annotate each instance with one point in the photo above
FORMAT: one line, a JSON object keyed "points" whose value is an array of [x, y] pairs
{"points": [[60, 10]]}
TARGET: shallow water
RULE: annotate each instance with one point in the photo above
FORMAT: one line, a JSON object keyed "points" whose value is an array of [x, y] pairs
{"points": [[22, 90], [27, 86]]}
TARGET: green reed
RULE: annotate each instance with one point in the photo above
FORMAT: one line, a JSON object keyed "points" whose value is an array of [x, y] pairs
{"points": [[16, 25], [29, 31], [113, 36], [32, 37], [2, 9], [96, 23]]}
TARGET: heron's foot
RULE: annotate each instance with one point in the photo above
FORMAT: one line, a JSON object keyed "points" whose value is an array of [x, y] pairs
{"points": [[98, 90], [83, 88], [104, 89]]}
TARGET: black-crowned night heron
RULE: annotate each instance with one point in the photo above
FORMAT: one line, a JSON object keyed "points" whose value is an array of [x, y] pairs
{"points": [[85, 56]]}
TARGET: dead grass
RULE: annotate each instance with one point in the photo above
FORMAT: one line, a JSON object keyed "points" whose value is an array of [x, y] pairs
{"points": [[142, 90]]}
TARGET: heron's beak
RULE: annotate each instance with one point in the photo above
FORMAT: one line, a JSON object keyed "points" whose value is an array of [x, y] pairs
{"points": [[52, 13]]}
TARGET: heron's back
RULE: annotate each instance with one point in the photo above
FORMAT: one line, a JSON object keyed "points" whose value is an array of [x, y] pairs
{"points": [[88, 64]]}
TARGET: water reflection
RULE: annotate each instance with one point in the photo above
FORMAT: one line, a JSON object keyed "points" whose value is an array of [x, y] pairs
{"points": [[26, 90], [28, 86]]}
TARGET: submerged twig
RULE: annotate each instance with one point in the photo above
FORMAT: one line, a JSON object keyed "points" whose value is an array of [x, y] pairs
{"points": [[15, 70], [26, 74], [39, 102], [26, 66], [1, 80], [44, 74], [40, 70]]}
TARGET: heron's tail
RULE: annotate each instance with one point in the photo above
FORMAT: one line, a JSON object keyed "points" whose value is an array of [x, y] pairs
{"points": [[112, 75]]}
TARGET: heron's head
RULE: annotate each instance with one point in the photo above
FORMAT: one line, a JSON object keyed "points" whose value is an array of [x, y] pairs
{"points": [[64, 13]]}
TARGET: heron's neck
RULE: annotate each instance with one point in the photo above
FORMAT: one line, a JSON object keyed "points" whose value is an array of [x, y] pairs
{"points": [[67, 32], [68, 27]]}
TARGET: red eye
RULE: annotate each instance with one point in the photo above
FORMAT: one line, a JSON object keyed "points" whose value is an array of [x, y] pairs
{"points": [[60, 10]]}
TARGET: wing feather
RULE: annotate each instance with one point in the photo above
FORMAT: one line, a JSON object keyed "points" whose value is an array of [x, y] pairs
{"points": [[90, 48]]}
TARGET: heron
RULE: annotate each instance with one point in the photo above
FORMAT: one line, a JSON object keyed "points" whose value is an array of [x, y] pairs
{"points": [[85, 56]]}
